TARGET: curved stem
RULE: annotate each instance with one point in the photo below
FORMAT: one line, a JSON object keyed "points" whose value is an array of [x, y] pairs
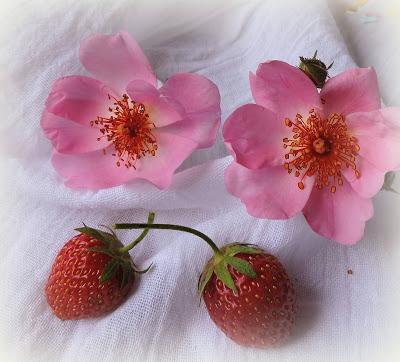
{"points": [[186, 229], [130, 246]]}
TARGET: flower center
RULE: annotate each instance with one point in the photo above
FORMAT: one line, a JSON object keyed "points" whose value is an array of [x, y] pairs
{"points": [[129, 128], [320, 147]]}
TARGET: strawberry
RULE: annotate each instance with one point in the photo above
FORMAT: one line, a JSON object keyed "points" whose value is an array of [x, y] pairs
{"points": [[92, 274], [249, 296], [247, 291]]}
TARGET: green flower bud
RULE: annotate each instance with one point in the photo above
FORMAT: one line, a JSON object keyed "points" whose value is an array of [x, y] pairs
{"points": [[315, 69]]}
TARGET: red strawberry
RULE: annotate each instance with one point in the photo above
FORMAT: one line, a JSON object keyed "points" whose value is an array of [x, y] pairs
{"points": [[92, 275], [247, 292], [249, 296]]}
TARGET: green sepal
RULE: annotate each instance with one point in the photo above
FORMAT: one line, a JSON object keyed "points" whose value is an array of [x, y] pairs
{"points": [[143, 271], [237, 248], [223, 274], [204, 279], [102, 249], [126, 274], [106, 238], [109, 270], [111, 246], [242, 266], [111, 231], [219, 265]]}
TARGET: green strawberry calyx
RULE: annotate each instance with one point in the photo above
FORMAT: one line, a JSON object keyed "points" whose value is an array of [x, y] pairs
{"points": [[120, 257], [219, 264]]}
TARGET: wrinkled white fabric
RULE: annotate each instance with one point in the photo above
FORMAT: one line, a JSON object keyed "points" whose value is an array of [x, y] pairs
{"points": [[341, 317]]}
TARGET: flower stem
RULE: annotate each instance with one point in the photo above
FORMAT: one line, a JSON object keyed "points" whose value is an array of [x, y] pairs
{"points": [[186, 229], [130, 246]]}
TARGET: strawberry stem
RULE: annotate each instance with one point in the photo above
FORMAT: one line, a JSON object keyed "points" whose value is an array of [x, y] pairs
{"points": [[130, 246], [186, 229]]}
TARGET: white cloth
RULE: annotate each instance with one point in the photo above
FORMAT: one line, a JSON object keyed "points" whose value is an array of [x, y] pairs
{"points": [[372, 33], [341, 317]]}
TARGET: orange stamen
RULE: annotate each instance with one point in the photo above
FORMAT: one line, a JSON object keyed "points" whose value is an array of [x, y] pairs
{"points": [[320, 147], [130, 129]]}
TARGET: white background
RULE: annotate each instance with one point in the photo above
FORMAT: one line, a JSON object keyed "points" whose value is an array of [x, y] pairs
{"points": [[341, 317]]}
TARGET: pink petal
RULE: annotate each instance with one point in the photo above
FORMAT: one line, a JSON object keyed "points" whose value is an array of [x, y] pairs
{"points": [[71, 137], [201, 128], [269, 192], [78, 98], [355, 90], [339, 216], [371, 179], [161, 111], [378, 135], [116, 60], [95, 170], [193, 91], [254, 136], [200, 100], [284, 89]]}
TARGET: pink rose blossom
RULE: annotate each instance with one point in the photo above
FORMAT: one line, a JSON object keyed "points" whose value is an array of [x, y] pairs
{"points": [[119, 127], [324, 154]]}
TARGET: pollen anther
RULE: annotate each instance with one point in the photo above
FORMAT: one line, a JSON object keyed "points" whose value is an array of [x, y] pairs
{"points": [[321, 148], [129, 129]]}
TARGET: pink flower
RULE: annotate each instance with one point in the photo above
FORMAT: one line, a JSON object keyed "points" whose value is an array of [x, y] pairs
{"points": [[324, 154], [119, 127]]}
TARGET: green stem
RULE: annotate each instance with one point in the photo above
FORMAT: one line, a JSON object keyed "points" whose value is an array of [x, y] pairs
{"points": [[130, 246], [186, 229]]}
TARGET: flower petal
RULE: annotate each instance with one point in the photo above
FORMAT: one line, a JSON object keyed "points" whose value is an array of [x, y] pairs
{"points": [[116, 60], [201, 128], [161, 111], [355, 90], [193, 91], [71, 137], [254, 136], [378, 135], [96, 170], [269, 192], [78, 98], [339, 216], [200, 100], [284, 89], [371, 180]]}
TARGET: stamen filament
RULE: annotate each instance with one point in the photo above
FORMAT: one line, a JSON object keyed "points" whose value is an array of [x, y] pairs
{"points": [[130, 129], [321, 148]]}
